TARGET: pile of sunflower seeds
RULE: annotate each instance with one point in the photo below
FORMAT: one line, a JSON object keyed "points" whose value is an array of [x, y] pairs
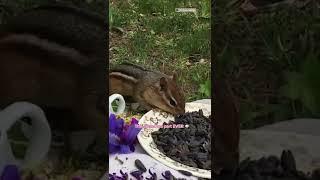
{"points": [[271, 168], [189, 145]]}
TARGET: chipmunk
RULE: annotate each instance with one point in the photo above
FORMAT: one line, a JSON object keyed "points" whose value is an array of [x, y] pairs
{"points": [[151, 89], [54, 56]]}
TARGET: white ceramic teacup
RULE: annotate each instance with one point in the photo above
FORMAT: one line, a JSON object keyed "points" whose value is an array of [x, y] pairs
{"points": [[120, 102], [38, 133]]}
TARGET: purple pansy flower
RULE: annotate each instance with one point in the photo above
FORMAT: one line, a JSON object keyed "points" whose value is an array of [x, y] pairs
{"points": [[10, 172], [122, 137], [115, 125]]}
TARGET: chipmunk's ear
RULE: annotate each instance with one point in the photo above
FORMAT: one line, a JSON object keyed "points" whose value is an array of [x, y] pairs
{"points": [[163, 84], [174, 76]]}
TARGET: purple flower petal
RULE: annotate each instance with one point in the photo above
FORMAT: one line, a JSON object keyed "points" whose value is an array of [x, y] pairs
{"points": [[10, 172], [115, 177], [153, 175], [113, 148], [125, 149], [137, 174], [124, 175], [122, 137], [132, 148], [134, 121], [115, 125], [113, 138], [126, 127], [167, 175], [114, 145], [129, 136]]}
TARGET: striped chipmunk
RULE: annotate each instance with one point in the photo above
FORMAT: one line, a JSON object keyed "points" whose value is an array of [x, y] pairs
{"points": [[151, 89]]}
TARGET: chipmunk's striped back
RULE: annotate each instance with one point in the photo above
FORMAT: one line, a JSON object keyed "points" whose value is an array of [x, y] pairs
{"points": [[150, 88]]}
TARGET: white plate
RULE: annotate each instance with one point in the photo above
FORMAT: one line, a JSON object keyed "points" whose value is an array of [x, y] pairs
{"points": [[158, 118]]}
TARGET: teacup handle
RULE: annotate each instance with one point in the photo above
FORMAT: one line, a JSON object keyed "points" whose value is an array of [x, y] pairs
{"points": [[39, 133], [121, 104]]}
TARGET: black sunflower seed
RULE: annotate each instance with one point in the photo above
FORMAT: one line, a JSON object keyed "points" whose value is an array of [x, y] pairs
{"points": [[186, 173], [140, 165]]}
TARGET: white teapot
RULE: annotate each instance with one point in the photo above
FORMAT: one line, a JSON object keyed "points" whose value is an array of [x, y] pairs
{"points": [[120, 102], [38, 133]]}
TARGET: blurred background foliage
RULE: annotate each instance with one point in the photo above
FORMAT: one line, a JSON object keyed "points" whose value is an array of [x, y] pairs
{"points": [[271, 60]]}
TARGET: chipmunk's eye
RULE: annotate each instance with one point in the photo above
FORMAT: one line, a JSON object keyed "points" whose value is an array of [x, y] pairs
{"points": [[172, 102]]}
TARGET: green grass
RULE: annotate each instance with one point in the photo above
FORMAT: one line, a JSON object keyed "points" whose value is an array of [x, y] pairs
{"points": [[159, 38], [270, 61]]}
